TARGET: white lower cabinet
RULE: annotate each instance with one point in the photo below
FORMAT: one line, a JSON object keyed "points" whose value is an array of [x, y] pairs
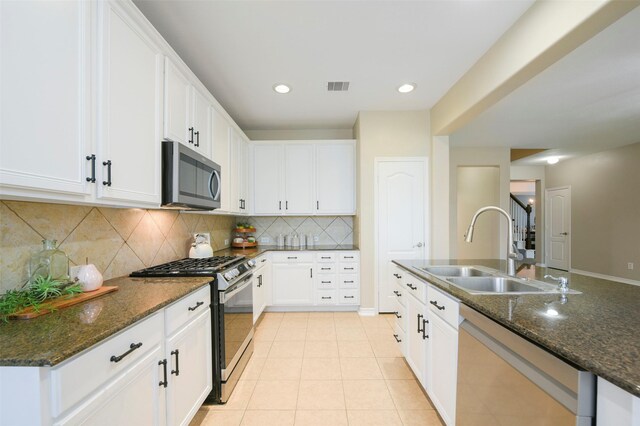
{"points": [[442, 377], [418, 339], [292, 284], [261, 286], [616, 406], [155, 372]]}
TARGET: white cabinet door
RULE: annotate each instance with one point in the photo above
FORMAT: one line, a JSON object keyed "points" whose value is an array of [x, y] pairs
{"points": [[130, 94], [268, 177], [202, 124], [292, 284], [444, 362], [243, 179], [135, 398], [299, 179], [417, 342], [45, 105], [189, 363], [177, 105], [335, 178], [237, 171]]}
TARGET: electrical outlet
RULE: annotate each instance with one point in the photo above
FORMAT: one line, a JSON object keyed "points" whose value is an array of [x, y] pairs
{"points": [[265, 240], [629, 265], [316, 238], [226, 242]]}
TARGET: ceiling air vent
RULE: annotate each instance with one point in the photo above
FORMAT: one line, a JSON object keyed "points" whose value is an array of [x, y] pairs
{"points": [[338, 86]]}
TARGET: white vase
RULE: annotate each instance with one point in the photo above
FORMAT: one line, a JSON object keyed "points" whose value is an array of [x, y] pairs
{"points": [[89, 277]]}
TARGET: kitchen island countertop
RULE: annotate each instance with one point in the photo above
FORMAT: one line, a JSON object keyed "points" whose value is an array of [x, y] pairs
{"points": [[596, 330], [52, 338]]}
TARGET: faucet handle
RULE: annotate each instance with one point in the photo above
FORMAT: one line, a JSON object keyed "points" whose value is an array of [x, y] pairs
{"points": [[563, 282]]}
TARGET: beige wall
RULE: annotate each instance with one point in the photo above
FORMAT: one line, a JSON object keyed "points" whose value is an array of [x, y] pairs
{"points": [[605, 210], [381, 134], [117, 241], [312, 134], [493, 157]]}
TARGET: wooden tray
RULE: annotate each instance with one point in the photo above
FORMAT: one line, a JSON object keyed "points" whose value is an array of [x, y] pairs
{"points": [[244, 245], [244, 230], [61, 302]]}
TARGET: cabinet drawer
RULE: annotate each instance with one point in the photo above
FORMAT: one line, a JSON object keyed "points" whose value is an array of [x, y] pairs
{"points": [[444, 306], [291, 257], [326, 268], [349, 268], [324, 282], [187, 308], [349, 257], [349, 281], [416, 287], [400, 336], [401, 316], [325, 257], [326, 297], [400, 293], [73, 380], [349, 297]]}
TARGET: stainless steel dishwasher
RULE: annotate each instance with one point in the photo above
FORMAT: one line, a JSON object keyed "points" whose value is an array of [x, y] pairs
{"points": [[503, 379]]}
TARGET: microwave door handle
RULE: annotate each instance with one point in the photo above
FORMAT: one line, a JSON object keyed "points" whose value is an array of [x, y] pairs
{"points": [[246, 283], [214, 175]]}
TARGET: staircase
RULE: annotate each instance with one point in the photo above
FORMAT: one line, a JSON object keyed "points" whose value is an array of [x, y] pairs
{"points": [[523, 230]]}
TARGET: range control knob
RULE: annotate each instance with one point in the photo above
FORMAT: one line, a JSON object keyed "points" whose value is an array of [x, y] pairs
{"points": [[227, 275], [251, 263]]}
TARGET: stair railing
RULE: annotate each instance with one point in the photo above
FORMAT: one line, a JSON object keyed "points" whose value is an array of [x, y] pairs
{"points": [[521, 216]]}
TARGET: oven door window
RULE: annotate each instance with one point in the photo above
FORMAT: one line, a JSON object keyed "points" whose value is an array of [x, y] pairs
{"points": [[238, 323]]}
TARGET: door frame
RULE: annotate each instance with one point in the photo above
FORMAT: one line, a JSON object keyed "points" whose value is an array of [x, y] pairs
{"points": [[376, 234], [547, 224]]}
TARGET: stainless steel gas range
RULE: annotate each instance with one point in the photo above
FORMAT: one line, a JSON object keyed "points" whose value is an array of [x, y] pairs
{"points": [[232, 313]]}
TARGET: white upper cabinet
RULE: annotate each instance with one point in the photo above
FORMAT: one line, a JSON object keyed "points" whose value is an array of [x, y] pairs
{"points": [[267, 182], [304, 178], [202, 123], [177, 107], [45, 103], [238, 172], [129, 109], [335, 178]]}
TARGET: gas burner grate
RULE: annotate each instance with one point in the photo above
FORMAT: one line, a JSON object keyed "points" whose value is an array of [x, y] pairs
{"points": [[208, 266]]}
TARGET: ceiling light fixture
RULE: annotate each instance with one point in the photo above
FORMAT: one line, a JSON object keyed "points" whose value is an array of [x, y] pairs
{"points": [[407, 87], [552, 160], [281, 88]]}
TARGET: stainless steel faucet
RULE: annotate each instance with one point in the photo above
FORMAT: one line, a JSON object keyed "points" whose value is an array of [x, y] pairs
{"points": [[511, 253], [563, 282]]}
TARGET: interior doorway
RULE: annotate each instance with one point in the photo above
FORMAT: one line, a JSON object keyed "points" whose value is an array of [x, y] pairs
{"points": [[523, 207]]}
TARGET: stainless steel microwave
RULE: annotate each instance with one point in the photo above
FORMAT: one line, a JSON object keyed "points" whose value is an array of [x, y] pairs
{"points": [[189, 180]]}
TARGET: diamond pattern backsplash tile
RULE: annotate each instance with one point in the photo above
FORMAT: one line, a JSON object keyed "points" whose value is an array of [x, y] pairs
{"points": [[329, 230], [117, 241]]}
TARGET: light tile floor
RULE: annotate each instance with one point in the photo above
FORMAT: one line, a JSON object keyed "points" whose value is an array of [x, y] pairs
{"points": [[325, 369]]}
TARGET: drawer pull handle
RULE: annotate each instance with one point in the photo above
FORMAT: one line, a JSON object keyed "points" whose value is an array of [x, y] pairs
{"points": [[397, 315], [164, 382], [177, 370], [397, 340], [411, 286], [348, 269], [397, 293], [263, 260], [435, 303], [348, 257], [325, 297], [292, 257], [193, 308], [325, 282], [325, 269], [424, 329], [325, 257], [397, 276], [132, 348], [348, 282], [349, 297]]}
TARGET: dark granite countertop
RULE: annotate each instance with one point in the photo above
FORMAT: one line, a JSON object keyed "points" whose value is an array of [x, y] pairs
{"points": [[55, 337], [596, 330], [257, 251]]}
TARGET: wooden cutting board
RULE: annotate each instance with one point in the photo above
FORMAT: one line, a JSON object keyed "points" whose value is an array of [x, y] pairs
{"points": [[61, 302]]}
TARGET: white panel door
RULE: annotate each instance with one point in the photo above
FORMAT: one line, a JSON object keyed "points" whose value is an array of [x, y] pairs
{"points": [[267, 184], [335, 178], [558, 228], [130, 110], [292, 284], [177, 105], [45, 102], [202, 124], [401, 219], [299, 179]]}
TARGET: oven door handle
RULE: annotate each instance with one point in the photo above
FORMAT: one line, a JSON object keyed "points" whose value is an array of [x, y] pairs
{"points": [[245, 283]]}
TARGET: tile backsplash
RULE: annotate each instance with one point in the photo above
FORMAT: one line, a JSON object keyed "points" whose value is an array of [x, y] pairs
{"points": [[117, 241], [330, 230]]}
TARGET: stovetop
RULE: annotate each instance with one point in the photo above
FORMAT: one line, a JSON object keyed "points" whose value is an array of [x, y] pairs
{"points": [[209, 266]]}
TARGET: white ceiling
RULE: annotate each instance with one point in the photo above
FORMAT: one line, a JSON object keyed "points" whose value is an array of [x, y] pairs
{"points": [[587, 102], [240, 49]]}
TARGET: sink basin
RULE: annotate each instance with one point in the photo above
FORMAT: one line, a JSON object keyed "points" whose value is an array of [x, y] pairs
{"points": [[496, 285], [455, 271]]}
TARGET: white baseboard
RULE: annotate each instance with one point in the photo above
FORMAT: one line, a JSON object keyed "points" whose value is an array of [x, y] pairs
{"points": [[368, 312], [606, 277]]}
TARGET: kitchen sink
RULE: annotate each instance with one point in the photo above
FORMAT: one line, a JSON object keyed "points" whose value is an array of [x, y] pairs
{"points": [[455, 271], [496, 285]]}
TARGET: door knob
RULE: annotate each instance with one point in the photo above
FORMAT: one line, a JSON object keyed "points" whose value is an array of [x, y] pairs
{"points": [[564, 233], [418, 245]]}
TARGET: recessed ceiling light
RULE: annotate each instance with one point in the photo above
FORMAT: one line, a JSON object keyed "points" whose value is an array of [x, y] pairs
{"points": [[281, 88], [407, 87], [552, 160]]}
